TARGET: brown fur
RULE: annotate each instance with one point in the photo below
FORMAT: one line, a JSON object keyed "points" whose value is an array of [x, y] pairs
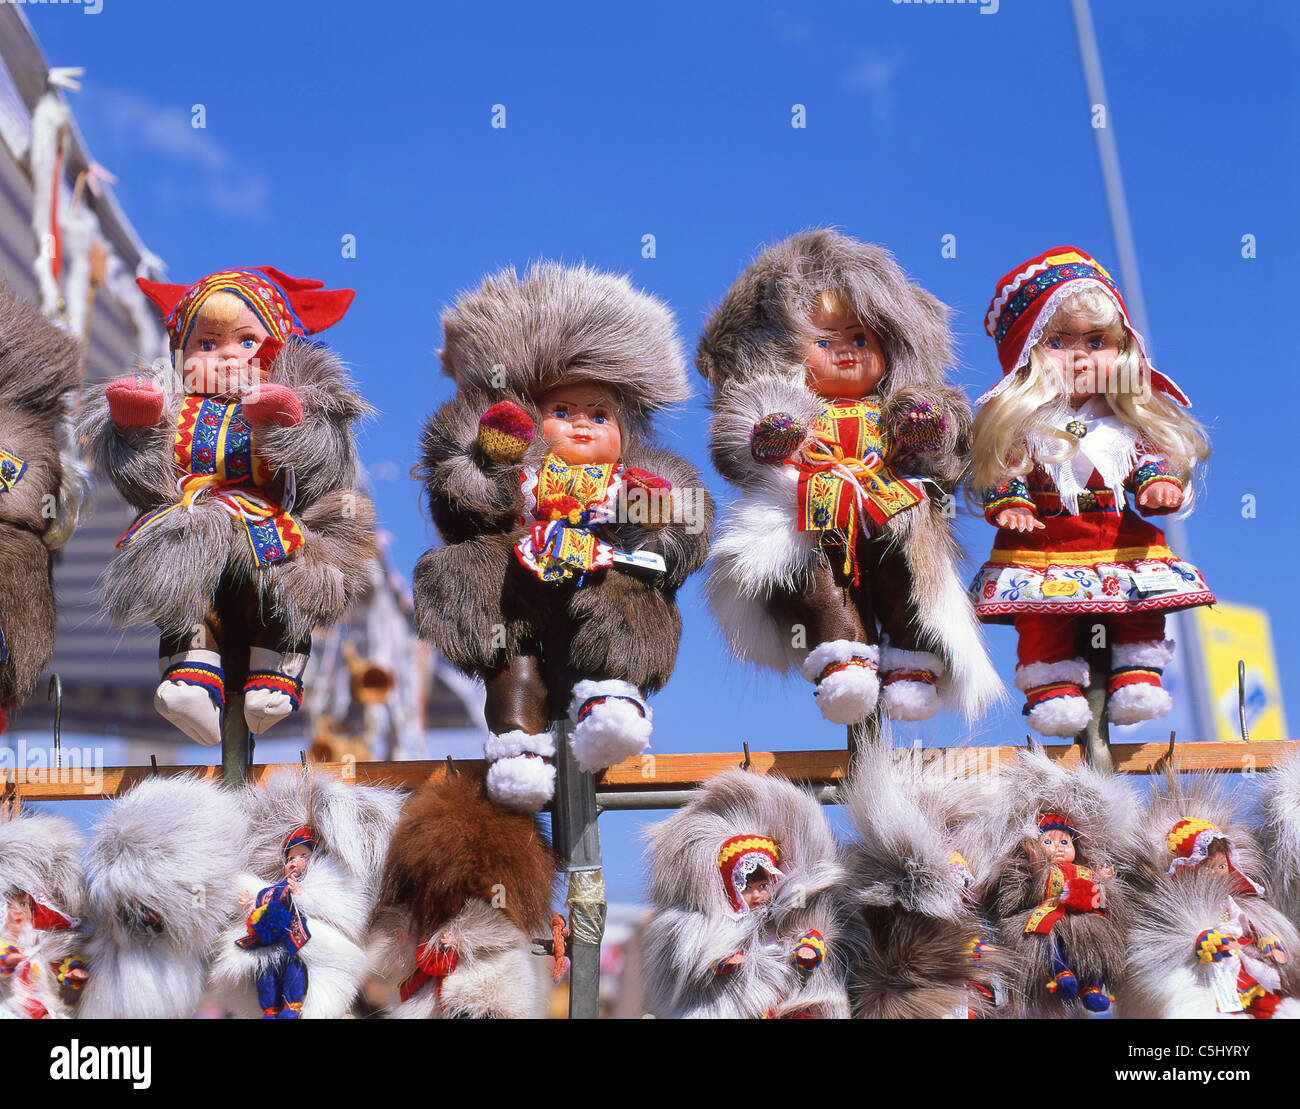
{"points": [[453, 844]]}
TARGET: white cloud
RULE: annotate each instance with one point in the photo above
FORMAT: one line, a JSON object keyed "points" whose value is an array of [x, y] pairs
{"points": [[874, 74]]}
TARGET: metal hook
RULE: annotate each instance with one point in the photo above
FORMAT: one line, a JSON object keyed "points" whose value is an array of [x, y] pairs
{"points": [[153, 766], [55, 694], [746, 764], [451, 767], [1241, 699], [302, 758]]}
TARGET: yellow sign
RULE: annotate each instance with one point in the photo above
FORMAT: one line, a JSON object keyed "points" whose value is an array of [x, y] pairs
{"points": [[1229, 633]]}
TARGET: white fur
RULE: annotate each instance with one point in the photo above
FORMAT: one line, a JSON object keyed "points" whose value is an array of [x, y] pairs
{"points": [[516, 743], [837, 650], [522, 783], [1060, 716], [1154, 653], [1132, 704], [1045, 673], [611, 732], [910, 700], [848, 696]]}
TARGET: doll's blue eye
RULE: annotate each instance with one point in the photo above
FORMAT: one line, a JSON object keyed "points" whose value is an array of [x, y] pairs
{"points": [[823, 343], [1055, 344], [560, 413], [248, 344], [599, 419], [860, 342], [1095, 344], [207, 344]]}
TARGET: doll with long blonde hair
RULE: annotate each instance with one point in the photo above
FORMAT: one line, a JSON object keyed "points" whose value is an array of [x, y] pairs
{"points": [[1079, 421]]}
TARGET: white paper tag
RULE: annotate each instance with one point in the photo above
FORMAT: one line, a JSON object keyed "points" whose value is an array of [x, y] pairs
{"points": [[642, 560], [1155, 581], [1224, 977]]}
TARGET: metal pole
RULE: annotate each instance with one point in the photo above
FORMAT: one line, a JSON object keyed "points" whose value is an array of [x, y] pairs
{"points": [[1108, 152], [236, 739], [1094, 740]]}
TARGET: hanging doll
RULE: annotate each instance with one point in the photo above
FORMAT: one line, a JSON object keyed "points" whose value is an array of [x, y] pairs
{"points": [[43, 888], [832, 414], [567, 534], [163, 864], [743, 883], [42, 487], [249, 434], [913, 939], [467, 886], [316, 848], [1205, 941], [1057, 838], [1079, 420]]}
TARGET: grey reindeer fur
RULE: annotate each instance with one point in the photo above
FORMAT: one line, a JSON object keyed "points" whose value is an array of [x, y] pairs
{"points": [[513, 339], [40, 371], [174, 845], [693, 926], [1279, 812], [41, 854], [752, 356], [906, 924], [1164, 977], [170, 579], [336, 895], [1102, 808]]}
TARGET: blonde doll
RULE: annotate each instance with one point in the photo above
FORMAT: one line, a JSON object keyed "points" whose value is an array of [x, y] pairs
{"points": [[1079, 420]]}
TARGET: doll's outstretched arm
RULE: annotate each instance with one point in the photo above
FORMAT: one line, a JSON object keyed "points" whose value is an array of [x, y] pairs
{"points": [[1154, 485], [137, 460], [1009, 505], [741, 411]]}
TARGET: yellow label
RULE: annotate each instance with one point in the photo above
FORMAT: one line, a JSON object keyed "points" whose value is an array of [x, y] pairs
{"points": [[1060, 588]]}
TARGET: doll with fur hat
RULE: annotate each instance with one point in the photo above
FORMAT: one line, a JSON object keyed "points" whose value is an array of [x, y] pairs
{"points": [[42, 486], [914, 941], [743, 885], [44, 891], [832, 414], [1079, 421], [1057, 838], [1205, 940], [249, 435], [566, 532], [467, 886], [316, 850], [163, 863]]}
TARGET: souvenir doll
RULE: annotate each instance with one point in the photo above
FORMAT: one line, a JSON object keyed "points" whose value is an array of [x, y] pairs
{"points": [[44, 890], [1205, 939], [567, 534], [42, 486], [914, 942], [163, 864], [832, 415], [1056, 888], [1280, 832], [249, 434], [1079, 421], [742, 882], [316, 852], [467, 888]]}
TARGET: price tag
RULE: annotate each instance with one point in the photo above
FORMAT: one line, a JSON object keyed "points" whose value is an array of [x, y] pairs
{"points": [[1226, 996], [1155, 581], [642, 560]]}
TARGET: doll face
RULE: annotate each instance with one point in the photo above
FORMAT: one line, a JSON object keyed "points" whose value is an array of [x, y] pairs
{"points": [[295, 864], [580, 424], [18, 913], [219, 356], [758, 890], [1216, 862], [847, 362], [1058, 846], [1083, 352]]}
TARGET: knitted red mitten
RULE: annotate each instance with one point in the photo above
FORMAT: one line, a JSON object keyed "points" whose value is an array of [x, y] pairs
{"points": [[922, 431], [134, 401], [776, 437], [505, 431], [271, 404]]}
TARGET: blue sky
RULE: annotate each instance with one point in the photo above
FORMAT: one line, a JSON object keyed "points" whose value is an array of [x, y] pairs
{"points": [[328, 119]]}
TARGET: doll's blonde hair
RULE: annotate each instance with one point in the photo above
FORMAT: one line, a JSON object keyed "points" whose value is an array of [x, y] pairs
{"points": [[1038, 397], [221, 307]]}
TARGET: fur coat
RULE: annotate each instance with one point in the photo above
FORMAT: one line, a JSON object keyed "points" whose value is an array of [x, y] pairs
{"points": [[752, 357], [171, 578], [1103, 809], [164, 865], [693, 926], [513, 339], [40, 854], [337, 893], [1165, 977], [480, 876], [1279, 805], [40, 370], [910, 917]]}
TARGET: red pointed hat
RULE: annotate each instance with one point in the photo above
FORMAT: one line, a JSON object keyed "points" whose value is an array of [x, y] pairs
{"points": [[1190, 841], [45, 917], [739, 857], [304, 835], [285, 305], [1026, 298]]}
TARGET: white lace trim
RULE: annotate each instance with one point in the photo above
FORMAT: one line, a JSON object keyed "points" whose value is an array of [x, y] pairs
{"points": [[1109, 446]]}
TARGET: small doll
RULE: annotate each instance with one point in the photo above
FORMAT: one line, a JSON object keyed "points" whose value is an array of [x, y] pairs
{"points": [[164, 863], [914, 942], [316, 848], [249, 433], [1079, 420], [1205, 941], [467, 885], [1058, 908], [42, 487], [41, 969], [832, 415], [742, 880], [568, 545]]}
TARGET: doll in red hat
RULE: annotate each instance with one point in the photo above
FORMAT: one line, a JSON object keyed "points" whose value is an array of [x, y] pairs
{"points": [[1080, 421], [249, 435], [275, 920]]}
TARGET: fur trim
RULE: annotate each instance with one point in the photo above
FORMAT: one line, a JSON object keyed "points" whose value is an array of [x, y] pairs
{"points": [[847, 696], [838, 650], [526, 335], [516, 743], [910, 700], [694, 927], [1060, 716], [41, 853], [1134, 703], [1045, 673], [1155, 653], [893, 658], [521, 783], [612, 731]]}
